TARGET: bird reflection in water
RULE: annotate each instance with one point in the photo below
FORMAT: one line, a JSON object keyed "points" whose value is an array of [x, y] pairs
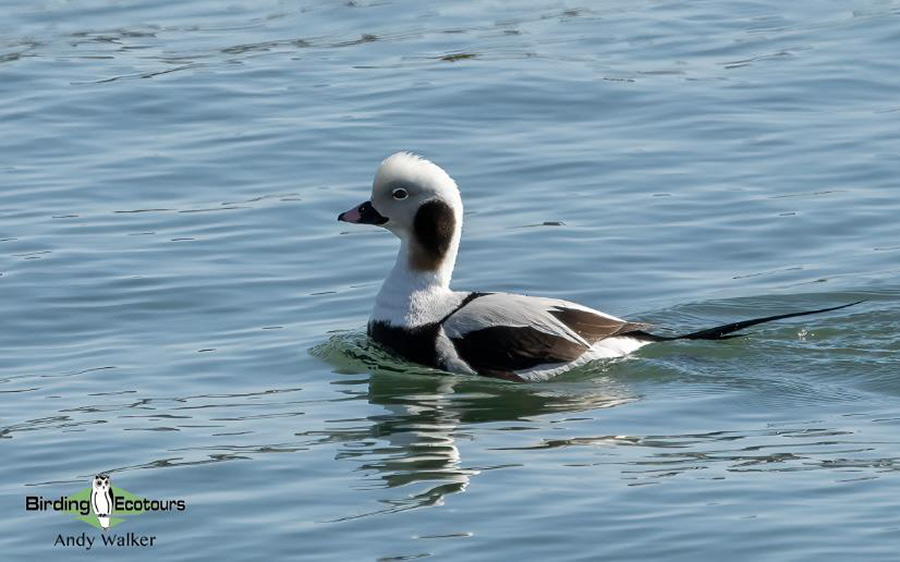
{"points": [[413, 441]]}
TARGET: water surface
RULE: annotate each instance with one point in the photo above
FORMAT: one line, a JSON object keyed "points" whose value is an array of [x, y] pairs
{"points": [[182, 310]]}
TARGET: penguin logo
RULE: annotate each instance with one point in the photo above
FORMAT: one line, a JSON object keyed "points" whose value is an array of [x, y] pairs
{"points": [[102, 499]]}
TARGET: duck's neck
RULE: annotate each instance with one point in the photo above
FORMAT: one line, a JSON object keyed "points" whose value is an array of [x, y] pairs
{"points": [[413, 295]]}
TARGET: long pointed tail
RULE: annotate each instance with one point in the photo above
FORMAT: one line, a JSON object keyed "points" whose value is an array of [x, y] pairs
{"points": [[725, 331]]}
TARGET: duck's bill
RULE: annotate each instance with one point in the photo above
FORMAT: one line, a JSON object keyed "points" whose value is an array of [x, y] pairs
{"points": [[363, 214]]}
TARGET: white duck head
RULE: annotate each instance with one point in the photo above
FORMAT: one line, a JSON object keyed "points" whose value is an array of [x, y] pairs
{"points": [[417, 201]]}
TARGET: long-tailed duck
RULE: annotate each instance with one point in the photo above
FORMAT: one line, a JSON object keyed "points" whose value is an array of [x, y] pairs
{"points": [[507, 336]]}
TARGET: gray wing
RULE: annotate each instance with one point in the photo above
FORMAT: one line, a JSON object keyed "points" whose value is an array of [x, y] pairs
{"points": [[498, 334]]}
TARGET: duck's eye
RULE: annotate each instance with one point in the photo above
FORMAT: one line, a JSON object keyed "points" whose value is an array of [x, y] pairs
{"points": [[400, 194]]}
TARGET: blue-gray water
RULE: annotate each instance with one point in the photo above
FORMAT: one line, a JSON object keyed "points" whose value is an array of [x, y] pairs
{"points": [[181, 309]]}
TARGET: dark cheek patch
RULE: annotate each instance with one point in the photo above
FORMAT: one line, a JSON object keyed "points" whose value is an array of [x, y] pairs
{"points": [[433, 230]]}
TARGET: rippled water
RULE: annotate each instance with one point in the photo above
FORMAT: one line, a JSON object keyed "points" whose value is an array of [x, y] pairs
{"points": [[182, 310]]}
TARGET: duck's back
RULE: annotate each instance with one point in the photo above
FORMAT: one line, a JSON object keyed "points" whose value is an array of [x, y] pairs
{"points": [[514, 336]]}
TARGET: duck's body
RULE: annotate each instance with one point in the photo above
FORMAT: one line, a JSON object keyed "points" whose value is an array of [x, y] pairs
{"points": [[514, 337]]}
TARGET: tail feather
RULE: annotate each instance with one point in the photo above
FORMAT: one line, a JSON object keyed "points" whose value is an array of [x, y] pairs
{"points": [[725, 331]]}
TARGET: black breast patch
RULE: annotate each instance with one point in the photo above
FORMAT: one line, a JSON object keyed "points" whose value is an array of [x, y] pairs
{"points": [[413, 344]]}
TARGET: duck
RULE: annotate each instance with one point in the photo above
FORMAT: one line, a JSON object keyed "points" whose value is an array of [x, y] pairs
{"points": [[513, 337]]}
